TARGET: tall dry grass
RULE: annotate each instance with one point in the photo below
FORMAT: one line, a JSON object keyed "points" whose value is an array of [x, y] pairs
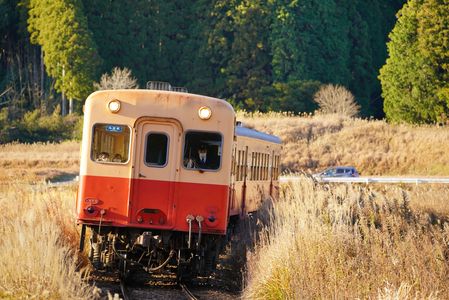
{"points": [[430, 200], [343, 241], [38, 243], [39, 161], [373, 147]]}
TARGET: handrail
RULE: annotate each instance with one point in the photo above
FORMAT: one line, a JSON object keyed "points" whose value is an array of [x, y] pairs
{"points": [[373, 179]]}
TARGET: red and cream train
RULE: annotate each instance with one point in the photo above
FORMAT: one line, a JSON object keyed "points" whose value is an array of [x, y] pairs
{"points": [[163, 176]]}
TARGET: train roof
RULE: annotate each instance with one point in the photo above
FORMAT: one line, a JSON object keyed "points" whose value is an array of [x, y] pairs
{"points": [[252, 133]]}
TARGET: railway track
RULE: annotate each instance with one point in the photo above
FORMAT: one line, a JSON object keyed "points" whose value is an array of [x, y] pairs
{"points": [[187, 292], [180, 292], [124, 290]]}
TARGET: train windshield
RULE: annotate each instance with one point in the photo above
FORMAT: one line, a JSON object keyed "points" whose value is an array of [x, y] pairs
{"points": [[110, 143], [202, 150]]}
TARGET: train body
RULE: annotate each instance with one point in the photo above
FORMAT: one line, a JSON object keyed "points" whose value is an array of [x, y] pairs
{"points": [[162, 176]]}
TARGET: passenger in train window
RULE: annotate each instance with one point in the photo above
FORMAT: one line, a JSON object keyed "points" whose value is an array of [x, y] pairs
{"points": [[103, 156], [117, 158], [190, 163]]}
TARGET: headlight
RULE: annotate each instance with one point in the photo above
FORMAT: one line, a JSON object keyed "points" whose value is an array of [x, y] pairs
{"points": [[114, 106], [204, 113]]}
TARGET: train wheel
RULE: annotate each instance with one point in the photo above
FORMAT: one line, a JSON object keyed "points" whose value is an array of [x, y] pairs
{"points": [[185, 268]]}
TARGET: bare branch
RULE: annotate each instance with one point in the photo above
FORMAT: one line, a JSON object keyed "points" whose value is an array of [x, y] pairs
{"points": [[336, 99], [119, 79]]}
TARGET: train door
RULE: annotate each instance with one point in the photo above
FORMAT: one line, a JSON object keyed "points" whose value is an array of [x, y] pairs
{"points": [[155, 173]]}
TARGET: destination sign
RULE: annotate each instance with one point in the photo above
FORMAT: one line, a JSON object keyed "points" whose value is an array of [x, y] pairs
{"points": [[114, 128]]}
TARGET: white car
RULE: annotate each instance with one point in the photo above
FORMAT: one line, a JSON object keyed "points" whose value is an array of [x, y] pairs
{"points": [[338, 172]]}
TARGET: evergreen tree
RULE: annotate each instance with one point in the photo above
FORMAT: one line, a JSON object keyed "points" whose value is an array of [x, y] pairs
{"points": [[380, 16], [126, 35], [219, 39], [70, 56], [8, 28], [249, 67], [200, 75], [310, 41], [294, 96], [361, 66], [175, 32], [413, 78], [433, 42]]}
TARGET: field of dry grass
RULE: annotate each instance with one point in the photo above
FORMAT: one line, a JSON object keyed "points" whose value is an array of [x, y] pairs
{"points": [[342, 241], [38, 258], [324, 241], [311, 143], [38, 162], [374, 147]]}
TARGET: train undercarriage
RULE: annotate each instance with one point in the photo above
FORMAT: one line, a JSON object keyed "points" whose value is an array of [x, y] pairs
{"points": [[127, 251]]}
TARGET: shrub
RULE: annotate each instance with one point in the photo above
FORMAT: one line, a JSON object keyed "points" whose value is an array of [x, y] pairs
{"points": [[38, 127], [336, 99], [119, 79]]}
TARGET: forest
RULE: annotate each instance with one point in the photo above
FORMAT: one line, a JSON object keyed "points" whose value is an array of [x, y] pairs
{"points": [[258, 55]]}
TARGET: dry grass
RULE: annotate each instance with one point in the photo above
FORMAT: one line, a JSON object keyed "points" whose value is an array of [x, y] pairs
{"points": [[343, 241], [38, 257], [38, 162], [373, 147], [430, 200], [311, 143], [325, 241]]}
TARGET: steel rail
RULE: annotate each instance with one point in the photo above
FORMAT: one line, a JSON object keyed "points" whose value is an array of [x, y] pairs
{"points": [[187, 292], [124, 290]]}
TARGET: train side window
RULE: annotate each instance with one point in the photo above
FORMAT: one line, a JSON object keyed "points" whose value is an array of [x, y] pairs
{"points": [[267, 165], [253, 166], [156, 150], [239, 167], [265, 160], [110, 143], [202, 150]]}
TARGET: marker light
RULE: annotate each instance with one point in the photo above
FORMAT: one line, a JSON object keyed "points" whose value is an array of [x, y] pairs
{"points": [[114, 106], [204, 113], [90, 210]]}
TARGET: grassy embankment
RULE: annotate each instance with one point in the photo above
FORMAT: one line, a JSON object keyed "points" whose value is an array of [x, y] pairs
{"points": [[373, 147], [343, 241], [354, 241]]}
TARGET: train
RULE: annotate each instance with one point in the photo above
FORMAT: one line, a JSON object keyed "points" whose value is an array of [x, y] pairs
{"points": [[164, 176]]}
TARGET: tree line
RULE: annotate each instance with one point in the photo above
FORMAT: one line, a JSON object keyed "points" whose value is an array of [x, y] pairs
{"points": [[259, 55]]}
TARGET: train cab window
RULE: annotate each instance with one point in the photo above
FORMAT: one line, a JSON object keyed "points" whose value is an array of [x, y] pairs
{"points": [[202, 150], [156, 150], [110, 143]]}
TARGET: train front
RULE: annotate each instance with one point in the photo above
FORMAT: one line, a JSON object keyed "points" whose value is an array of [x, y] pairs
{"points": [[154, 180]]}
